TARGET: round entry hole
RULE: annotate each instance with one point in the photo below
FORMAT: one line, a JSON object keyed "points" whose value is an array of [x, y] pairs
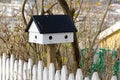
{"points": [[50, 37], [35, 37], [66, 36]]}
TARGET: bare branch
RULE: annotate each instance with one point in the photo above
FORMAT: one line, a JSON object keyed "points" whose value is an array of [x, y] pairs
{"points": [[101, 25], [51, 7], [65, 7], [42, 7], [23, 8], [36, 6], [79, 9], [3, 39]]}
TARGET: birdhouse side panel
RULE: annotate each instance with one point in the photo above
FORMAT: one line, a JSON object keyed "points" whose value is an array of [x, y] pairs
{"points": [[35, 38], [33, 27], [57, 38]]}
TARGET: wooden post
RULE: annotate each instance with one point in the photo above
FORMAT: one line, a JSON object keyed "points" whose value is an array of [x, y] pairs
{"points": [[51, 54]]}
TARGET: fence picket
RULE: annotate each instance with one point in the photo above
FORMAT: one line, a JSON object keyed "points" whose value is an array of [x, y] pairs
{"points": [[95, 76], [57, 75], [45, 74], [15, 72], [29, 69], [114, 78], [79, 75], [34, 72], [11, 66], [0, 68], [3, 66], [51, 71], [40, 70], [64, 75], [71, 76], [20, 70], [7, 69], [86, 78], [25, 71]]}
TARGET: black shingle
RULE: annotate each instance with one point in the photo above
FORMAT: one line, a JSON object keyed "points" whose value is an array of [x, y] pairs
{"points": [[52, 24]]}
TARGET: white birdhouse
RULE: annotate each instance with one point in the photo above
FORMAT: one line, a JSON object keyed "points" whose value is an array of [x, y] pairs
{"points": [[51, 29]]}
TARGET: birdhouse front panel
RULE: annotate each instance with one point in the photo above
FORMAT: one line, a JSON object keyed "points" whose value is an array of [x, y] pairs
{"points": [[57, 38], [35, 38]]}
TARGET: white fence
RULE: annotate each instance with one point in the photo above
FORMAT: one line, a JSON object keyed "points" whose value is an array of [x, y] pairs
{"points": [[11, 69]]}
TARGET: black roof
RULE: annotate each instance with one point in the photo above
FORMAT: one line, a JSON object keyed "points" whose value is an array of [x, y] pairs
{"points": [[52, 23]]}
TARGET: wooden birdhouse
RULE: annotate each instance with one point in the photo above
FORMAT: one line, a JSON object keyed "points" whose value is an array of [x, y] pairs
{"points": [[50, 29]]}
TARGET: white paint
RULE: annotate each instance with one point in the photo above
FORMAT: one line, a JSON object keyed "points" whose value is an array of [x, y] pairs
{"points": [[79, 75], [11, 66], [64, 74], [51, 71], [86, 78], [15, 70], [95, 76], [3, 66], [71, 77], [32, 38], [25, 71], [110, 30], [33, 28], [34, 72], [57, 75], [0, 68], [40, 70], [36, 37], [114, 78], [21, 70], [45, 74], [29, 69], [7, 69], [56, 38]]}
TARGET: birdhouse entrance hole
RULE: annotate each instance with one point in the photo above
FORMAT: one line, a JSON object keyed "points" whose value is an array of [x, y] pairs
{"points": [[66, 36], [50, 37], [35, 37]]}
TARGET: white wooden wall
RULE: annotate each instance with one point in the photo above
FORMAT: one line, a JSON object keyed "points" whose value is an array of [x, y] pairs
{"points": [[11, 69]]}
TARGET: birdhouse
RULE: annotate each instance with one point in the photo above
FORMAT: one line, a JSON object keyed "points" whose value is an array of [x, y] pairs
{"points": [[50, 29]]}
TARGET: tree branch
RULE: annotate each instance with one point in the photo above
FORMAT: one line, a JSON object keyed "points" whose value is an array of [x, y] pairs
{"points": [[79, 10], [51, 7], [42, 7], [23, 8], [101, 25], [65, 7], [36, 6]]}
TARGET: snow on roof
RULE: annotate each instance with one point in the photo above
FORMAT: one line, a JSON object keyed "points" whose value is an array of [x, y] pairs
{"points": [[110, 30]]}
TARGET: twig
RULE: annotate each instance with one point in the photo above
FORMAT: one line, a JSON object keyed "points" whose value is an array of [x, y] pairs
{"points": [[23, 8], [79, 10], [42, 7], [51, 7], [36, 6]]}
